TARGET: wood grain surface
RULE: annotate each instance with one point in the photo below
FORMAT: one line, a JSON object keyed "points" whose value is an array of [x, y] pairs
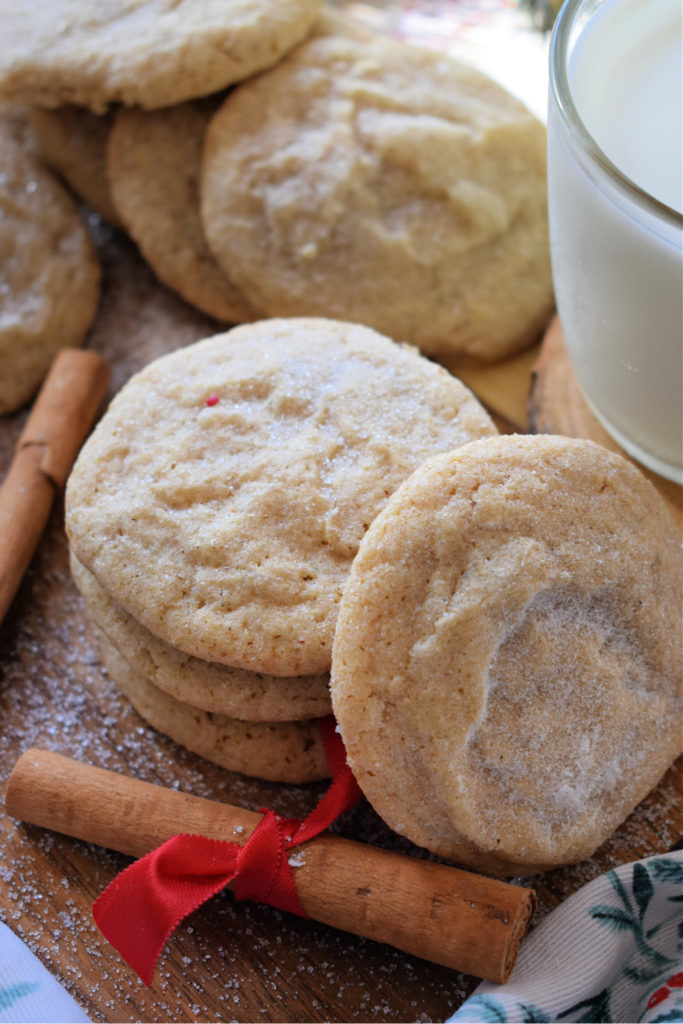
{"points": [[230, 961], [557, 406]]}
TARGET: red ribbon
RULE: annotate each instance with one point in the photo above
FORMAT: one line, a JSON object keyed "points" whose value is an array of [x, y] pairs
{"points": [[139, 910]]}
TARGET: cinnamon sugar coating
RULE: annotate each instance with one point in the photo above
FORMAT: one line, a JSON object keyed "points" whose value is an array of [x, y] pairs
{"points": [[222, 497], [278, 751], [205, 685], [507, 660]]}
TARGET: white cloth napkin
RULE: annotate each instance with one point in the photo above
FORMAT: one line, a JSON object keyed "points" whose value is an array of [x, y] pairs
{"points": [[612, 952], [28, 992]]}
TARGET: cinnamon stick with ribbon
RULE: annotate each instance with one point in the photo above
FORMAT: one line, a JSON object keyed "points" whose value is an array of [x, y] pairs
{"points": [[455, 918], [59, 422]]}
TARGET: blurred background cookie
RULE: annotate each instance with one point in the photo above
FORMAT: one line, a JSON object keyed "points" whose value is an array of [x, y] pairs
{"points": [[386, 184], [153, 167], [49, 271], [144, 52], [73, 142]]}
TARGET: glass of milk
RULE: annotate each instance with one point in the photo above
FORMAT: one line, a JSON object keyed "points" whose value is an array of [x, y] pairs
{"points": [[615, 189]]}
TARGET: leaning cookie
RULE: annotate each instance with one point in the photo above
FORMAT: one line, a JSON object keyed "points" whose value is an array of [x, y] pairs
{"points": [[221, 498], [280, 751], [153, 162], [141, 51], [206, 685], [49, 272], [507, 660], [376, 181], [73, 142]]}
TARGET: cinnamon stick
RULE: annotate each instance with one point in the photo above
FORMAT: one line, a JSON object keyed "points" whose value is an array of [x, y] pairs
{"points": [[59, 422], [454, 918]]}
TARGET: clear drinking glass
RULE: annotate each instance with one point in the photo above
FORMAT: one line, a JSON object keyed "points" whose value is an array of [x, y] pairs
{"points": [[615, 179]]}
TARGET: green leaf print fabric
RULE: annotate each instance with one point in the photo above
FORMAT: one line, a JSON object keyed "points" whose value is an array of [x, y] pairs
{"points": [[612, 952]]}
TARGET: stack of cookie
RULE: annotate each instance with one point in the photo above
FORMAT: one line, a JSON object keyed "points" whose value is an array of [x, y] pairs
{"points": [[249, 722], [276, 159], [214, 514]]}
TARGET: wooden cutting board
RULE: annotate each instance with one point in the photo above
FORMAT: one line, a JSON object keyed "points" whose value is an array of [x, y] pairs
{"points": [[556, 406], [230, 961]]}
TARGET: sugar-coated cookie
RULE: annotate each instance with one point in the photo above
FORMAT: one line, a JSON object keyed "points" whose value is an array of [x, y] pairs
{"points": [[279, 751], [73, 142], [207, 685], [153, 166], [223, 495], [375, 181], [148, 52], [49, 271], [507, 660]]}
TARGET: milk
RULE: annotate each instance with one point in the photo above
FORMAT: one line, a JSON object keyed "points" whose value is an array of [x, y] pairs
{"points": [[615, 184], [626, 79]]}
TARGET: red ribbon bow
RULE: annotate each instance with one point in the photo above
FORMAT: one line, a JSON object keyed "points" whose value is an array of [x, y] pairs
{"points": [[173, 880]]}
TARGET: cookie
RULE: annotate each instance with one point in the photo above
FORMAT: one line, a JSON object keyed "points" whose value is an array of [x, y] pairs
{"points": [[280, 752], [221, 498], [49, 272], [153, 166], [203, 684], [141, 52], [507, 661], [375, 181], [15, 120], [73, 142]]}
